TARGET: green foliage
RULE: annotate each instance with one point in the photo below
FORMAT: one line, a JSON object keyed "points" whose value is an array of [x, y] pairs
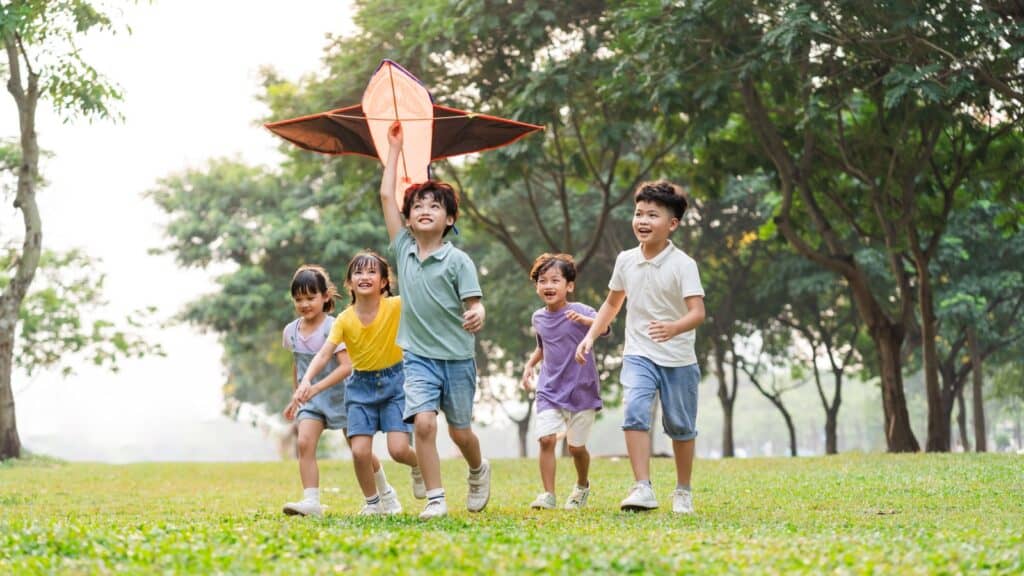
{"points": [[854, 513], [54, 325]]}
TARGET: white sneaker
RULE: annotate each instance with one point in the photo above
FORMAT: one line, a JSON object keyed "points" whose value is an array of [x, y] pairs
{"points": [[419, 488], [544, 501], [304, 508], [434, 509], [682, 501], [373, 509], [640, 498], [578, 498], [389, 503], [479, 489]]}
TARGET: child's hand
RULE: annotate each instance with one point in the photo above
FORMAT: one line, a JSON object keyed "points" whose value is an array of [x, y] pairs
{"points": [[579, 318], [660, 331], [395, 136], [303, 393], [473, 319], [583, 349], [527, 381], [290, 410]]}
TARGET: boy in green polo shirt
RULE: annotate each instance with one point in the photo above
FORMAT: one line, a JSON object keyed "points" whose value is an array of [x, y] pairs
{"points": [[441, 311]]}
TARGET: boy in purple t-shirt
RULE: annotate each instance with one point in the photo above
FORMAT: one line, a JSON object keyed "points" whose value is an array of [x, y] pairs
{"points": [[568, 395]]}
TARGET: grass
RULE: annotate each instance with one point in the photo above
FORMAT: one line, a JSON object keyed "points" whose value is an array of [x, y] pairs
{"points": [[853, 513]]}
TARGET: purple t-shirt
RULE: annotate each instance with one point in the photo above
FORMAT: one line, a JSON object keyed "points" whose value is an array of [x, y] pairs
{"points": [[563, 384]]}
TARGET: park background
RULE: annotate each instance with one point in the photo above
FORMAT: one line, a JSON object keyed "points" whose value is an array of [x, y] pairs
{"points": [[855, 174]]}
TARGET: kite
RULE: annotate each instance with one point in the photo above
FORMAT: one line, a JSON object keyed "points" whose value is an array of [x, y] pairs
{"points": [[431, 131]]}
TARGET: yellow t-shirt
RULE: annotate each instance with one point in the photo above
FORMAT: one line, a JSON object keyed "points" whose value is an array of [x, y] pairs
{"points": [[371, 347]]}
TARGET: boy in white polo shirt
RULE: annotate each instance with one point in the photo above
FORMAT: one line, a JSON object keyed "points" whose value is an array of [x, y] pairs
{"points": [[664, 307]]}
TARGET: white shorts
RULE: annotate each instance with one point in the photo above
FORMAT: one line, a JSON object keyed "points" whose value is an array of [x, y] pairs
{"points": [[575, 425]]}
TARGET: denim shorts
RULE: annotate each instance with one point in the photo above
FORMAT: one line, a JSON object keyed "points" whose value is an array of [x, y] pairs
{"points": [[374, 401], [328, 407], [433, 385], [677, 385]]}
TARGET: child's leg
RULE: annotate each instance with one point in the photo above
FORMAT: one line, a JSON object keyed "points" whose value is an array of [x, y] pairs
{"points": [[400, 450], [373, 457], [547, 462], [638, 446], [683, 451], [581, 458], [362, 461], [426, 449], [468, 444], [309, 436]]}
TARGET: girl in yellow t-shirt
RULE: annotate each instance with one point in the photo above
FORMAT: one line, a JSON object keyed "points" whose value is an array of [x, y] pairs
{"points": [[375, 392]]}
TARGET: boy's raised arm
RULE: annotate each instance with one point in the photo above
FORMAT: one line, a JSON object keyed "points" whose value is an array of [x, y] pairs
{"points": [[389, 205], [609, 309]]}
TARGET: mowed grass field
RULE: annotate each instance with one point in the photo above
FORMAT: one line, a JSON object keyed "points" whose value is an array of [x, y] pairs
{"points": [[908, 514]]}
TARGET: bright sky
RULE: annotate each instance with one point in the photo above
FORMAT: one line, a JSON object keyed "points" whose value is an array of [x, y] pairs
{"points": [[189, 73]]}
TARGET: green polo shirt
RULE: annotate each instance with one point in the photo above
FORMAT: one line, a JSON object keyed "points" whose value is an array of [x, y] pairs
{"points": [[432, 294]]}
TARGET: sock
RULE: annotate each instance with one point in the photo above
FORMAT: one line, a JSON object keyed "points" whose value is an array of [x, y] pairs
{"points": [[375, 499], [645, 483], [684, 487], [435, 494], [380, 480], [476, 471], [582, 487], [311, 494]]}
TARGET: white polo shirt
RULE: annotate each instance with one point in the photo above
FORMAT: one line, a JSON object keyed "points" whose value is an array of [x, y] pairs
{"points": [[657, 289]]}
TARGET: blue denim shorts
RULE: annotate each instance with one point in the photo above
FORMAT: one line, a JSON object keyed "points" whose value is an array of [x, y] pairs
{"points": [[374, 401], [433, 385], [328, 407], [677, 385]]}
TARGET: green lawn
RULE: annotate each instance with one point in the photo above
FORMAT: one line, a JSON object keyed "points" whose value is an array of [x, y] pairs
{"points": [[846, 514]]}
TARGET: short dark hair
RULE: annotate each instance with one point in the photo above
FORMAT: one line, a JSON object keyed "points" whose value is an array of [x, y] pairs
{"points": [[663, 193], [369, 259], [313, 279], [440, 191], [545, 262]]}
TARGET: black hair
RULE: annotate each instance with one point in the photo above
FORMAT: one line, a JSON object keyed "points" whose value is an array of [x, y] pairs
{"points": [[368, 259], [313, 279], [545, 262], [663, 193], [440, 191]]}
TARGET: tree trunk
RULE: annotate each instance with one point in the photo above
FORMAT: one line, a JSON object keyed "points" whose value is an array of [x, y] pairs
{"points": [[26, 96], [977, 379], [961, 420], [523, 428], [898, 435], [938, 426], [10, 444], [727, 401], [831, 437]]}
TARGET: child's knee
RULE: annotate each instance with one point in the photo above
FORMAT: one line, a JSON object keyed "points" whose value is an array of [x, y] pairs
{"points": [[577, 451], [548, 443], [460, 435], [426, 427], [307, 444], [362, 451]]}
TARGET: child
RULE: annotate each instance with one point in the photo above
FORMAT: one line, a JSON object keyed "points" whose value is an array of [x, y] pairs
{"points": [[568, 395], [374, 395], [436, 333], [665, 304], [318, 402]]}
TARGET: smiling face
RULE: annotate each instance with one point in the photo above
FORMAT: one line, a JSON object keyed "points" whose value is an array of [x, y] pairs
{"points": [[428, 216], [553, 288], [653, 223], [309, 305], [368, 276]]}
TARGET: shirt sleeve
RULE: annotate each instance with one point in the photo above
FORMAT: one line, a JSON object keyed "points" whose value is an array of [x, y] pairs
{"points": [[691, 279], [466, 279], [618, 282], [337, 335], [284, 337]]}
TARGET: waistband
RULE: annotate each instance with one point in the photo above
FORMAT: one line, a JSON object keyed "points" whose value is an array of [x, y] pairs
{"points": [[384, 372]]}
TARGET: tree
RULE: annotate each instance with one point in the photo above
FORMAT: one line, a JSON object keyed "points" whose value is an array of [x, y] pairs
{"points": [[42, 62], [871, 121]]}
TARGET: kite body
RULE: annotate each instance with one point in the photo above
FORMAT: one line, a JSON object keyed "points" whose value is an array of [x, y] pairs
{"points": [[430, 131]]}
